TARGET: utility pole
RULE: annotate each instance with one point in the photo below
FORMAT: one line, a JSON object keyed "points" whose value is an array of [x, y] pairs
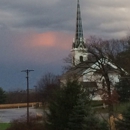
{"points": [[27, 72]]}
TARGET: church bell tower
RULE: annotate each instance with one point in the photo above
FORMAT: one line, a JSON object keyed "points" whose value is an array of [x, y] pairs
{"points": [[79, 50]]}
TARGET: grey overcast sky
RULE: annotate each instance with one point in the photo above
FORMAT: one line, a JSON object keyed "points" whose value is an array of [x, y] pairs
{"points": [[37, 34]]}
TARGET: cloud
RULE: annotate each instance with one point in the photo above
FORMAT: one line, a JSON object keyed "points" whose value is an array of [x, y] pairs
{"points": [[39, 33], [60, 15], [41, 15], [59, 40], [32, 46], [43, 40]]}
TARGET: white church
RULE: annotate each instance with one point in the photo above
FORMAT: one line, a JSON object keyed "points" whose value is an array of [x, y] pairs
{"points": [[87, 72]]}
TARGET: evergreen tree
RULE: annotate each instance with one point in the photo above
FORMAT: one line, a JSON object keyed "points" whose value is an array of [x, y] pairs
{"points": [[83, 117], [62, 106], [2, 96], [70, 110], [124, 124], [123, 89], [80, 110]]}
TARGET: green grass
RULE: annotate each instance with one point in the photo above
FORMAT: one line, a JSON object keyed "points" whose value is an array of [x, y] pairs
{"points": [[4, 126], [96, 103], [121, 106], [118, 108]]}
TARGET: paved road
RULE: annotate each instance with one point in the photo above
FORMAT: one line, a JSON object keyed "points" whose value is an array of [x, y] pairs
{"points": [[7, 115]]}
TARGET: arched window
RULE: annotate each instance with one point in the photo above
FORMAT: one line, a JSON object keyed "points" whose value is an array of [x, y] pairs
{"points": [[81, 58]]}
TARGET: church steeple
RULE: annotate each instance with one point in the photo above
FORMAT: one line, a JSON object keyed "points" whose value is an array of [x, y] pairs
{"points": [[79, 50], [79, 39]]}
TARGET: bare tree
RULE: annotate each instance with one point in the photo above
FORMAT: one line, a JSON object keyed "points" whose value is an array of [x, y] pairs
{"points": [[123, 58], [68, 63], [46, 85], [103, 55]]}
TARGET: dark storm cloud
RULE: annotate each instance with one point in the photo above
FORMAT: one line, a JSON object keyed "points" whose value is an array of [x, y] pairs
{"points": [[98, 16], [39, 14], [109, 19]]}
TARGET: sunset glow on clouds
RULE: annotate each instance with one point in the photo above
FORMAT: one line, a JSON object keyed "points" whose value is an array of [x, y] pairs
{"points": [[40, 48], [51, 39], [47, 39]]}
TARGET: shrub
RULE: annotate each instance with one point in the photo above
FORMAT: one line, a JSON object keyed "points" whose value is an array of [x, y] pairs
{"points": [[21, 124]]}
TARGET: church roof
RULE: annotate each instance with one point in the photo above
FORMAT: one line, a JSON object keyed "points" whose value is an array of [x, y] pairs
{"points": [[77, 70], [90, 66]]}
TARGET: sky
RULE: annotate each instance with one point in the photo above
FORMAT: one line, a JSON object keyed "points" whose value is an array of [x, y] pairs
{"points": [[38, 34]]}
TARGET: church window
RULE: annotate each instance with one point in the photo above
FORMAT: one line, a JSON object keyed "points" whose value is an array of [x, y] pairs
{"points": [[80, 46], [81, 58]]}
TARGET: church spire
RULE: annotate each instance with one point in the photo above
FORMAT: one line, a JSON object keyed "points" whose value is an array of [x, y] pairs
{"points": [[79, 39], [79, 29]]}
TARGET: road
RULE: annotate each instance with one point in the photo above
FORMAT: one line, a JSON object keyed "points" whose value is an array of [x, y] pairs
{"points": [[7, 115]]}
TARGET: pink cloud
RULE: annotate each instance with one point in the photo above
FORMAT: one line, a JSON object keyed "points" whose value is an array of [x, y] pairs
{"points": [[50, 39], [43, 39], [42, 47]]}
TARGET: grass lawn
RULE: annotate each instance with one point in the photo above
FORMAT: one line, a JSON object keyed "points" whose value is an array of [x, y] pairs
{"points": [[121, 106], [118, 108], [4, 126]]}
